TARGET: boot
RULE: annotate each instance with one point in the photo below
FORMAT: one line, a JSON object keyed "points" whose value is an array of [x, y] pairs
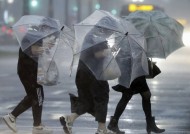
{"points": [[113, 126], [151, 126]]}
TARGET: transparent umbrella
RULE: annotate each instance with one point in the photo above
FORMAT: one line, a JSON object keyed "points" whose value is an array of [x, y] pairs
{"points": [[163, 34], [32, 30], [39, 37], [117, 44]]}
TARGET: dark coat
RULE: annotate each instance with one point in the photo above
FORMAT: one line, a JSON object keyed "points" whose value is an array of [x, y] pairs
{"points": [[28, 64], [93, 94]]}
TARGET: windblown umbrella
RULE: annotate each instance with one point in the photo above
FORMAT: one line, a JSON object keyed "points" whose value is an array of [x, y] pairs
{"points": [[163, 34], [38, 37], [120, 43]]}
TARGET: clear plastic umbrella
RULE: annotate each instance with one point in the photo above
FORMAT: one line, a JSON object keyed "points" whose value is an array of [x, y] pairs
{"points": [[132, 61], [39, 37], [106, 43], [32, 32], [163, 34]]}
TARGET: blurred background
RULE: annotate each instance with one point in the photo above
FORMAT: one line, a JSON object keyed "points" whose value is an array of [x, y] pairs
{"points": [[70, 12]]}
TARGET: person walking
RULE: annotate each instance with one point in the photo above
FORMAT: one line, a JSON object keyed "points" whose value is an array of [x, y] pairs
{"points": [[139, 85], [27, 68], [93, 94]]}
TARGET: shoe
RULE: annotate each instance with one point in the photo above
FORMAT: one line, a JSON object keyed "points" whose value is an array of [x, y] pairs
{"points": [[106, 131], [10, 121], [66, 123], [152, 127], [41, 130], [113, 126], [119, 88]]}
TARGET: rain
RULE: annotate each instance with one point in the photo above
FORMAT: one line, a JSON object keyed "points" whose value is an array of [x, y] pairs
{"points": [[170, 90]]}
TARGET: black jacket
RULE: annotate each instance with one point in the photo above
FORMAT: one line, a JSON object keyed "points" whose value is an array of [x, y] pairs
{"points": [[27, 66]]}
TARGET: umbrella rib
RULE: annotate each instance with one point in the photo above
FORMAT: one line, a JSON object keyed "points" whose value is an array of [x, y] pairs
{"points": [[69, 38], [56, 50], [131, 62], [70, 35], [96, 44], [41, 38], [111, 58], [53, 56], [139, 45], [161, 35], [165, 26], [161, 41], [63, 33]]}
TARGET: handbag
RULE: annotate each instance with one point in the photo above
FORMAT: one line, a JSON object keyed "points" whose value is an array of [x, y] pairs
{"points": [[153, 69], [48, 73]]}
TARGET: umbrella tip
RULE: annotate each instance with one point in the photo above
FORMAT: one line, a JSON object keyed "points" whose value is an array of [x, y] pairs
{"points": [[126, 33], [62, 28]]}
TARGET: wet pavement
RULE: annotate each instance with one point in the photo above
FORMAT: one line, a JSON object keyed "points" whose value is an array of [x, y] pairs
{"points": [[170, 100]]}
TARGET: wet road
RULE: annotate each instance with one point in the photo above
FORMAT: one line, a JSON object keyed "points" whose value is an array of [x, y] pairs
{"points": [[170, 100]]}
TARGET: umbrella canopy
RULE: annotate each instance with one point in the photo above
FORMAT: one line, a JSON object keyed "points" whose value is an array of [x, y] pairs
{"points": [[39, 37], [53, 67], [42, 33], [132, 61], [35, 28], [115, 42], [163, 34], [101, 24]]}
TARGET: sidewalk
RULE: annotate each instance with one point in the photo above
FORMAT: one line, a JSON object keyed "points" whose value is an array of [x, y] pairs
{"points": [[170, 101], [59, 130]]}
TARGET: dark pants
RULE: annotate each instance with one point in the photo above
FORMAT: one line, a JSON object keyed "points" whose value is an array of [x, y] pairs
{"points": [[93, 96], [138, 86], [34, 99]]}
